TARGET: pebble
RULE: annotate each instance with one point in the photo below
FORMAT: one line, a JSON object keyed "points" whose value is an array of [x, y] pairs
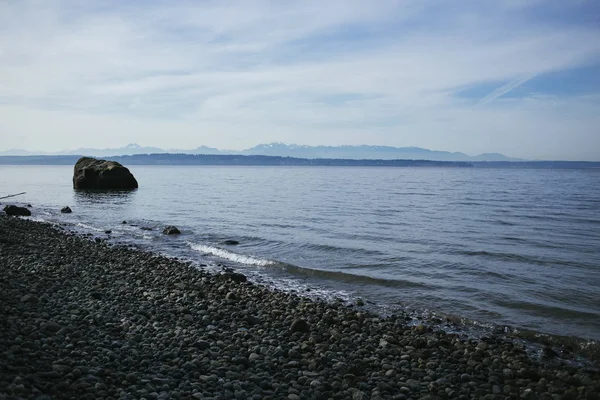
{"points": [[95, 322], [231, 296], [29, 298], [202, 344], [300, 325], [50, 326]]}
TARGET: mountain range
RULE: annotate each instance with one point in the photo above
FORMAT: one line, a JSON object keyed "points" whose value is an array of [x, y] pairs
{"points": [[285, 150]]}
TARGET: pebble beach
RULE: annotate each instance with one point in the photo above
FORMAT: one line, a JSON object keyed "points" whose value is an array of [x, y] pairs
{"points": [[83, 319]]}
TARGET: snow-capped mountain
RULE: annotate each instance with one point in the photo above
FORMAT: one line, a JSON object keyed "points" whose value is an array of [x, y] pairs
{"points": [[288, 150]]}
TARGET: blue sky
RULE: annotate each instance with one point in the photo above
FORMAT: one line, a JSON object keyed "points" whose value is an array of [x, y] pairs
{"points": [[516, 77]]}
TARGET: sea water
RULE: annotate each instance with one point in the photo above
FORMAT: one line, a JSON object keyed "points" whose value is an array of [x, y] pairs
{"points": [[518, 247]]}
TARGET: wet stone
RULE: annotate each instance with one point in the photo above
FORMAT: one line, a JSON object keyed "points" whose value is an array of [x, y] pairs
{"points": [[121, 323]]}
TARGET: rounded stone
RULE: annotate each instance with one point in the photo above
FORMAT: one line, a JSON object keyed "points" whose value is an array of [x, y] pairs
{"points": [[300, 325]]}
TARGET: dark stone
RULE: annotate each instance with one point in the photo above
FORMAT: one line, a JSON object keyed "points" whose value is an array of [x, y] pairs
{"points": [[235, 276], [29, 298], [300, 325], [64, 331], [252, 320], [90, 173], [16, 210], [171, 230], [50, 326], [66, 210], [108, 231], [96, 295], [529, 374], [202, 344], [231, 242], [124, 222], [549, 352], [231, 296]]}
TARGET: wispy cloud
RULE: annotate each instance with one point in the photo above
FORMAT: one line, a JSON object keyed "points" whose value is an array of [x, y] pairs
{"points": [[236, 73], [504, 89]]}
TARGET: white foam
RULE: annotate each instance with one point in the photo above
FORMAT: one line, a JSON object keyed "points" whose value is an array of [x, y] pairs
{"points": [[239, 258], [82, 225]]}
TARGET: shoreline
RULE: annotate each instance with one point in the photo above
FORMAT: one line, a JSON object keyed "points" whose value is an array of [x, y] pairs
{"points": [[499, 271], [89, 320], [582, 351]]}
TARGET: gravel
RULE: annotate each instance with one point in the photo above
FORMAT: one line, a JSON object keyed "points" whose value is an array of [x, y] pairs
{"points": [[80, 319]]}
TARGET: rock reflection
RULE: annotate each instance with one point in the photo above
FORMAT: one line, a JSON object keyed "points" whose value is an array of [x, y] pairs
{"points": [[108, 197]]}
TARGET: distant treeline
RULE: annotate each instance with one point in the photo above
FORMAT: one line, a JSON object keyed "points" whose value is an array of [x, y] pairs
{"points": [[220, 159], [538, 164]]}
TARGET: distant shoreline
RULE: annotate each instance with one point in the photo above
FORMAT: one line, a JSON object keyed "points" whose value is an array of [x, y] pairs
{"points": [[258, 160]]}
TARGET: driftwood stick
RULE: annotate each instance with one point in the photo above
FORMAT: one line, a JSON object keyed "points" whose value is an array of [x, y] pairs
{"points": [[12, 195]]}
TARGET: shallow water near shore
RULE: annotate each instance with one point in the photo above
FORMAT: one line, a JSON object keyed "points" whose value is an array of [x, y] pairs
{"points": [[516, 247]]}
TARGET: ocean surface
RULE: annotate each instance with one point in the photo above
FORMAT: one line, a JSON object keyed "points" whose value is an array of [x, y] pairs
{"points": [[516, 247]]}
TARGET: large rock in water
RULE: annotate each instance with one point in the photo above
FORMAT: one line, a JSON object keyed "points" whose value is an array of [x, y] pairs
{"points": [[90, 173], [16, 210]]}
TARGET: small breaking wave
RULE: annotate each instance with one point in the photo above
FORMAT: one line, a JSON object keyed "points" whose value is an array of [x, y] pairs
{"points": [[37, 219], [86, 226], [238, 258]]}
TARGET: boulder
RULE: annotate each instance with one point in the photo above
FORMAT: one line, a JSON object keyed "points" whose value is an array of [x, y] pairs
{"points": [[16, 210], [171, 230], [90, 173], [231, 242], [66, 210]]}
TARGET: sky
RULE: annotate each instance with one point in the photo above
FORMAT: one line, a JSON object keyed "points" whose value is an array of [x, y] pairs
{"points": [[521, 78]]}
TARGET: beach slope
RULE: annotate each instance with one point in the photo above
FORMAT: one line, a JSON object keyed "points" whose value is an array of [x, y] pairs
{"points": [[81, 319]]}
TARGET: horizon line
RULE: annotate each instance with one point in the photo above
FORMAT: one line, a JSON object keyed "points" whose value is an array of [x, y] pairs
{"points": [[516, 161]]}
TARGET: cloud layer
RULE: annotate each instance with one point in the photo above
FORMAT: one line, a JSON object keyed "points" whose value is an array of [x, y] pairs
{"points": [[450, 75]]}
